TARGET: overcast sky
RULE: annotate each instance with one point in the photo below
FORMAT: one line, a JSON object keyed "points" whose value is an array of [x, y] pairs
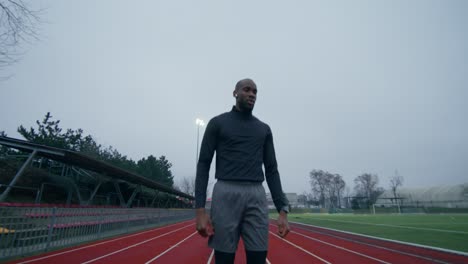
{"points": [[346, 86]]}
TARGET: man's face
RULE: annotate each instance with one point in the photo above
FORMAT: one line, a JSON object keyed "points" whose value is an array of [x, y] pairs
{"points": [[246, 97]]}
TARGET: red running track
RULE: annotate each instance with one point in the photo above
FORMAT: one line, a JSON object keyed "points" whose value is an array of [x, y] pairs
{"points": [[179, 243]]}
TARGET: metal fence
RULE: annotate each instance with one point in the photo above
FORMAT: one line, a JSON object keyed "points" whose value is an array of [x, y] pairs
{"points": [[24, 231]]}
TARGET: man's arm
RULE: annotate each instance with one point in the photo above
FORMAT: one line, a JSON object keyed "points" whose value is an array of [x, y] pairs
{"points": [[274, 184], [272, 175], [207, 150]]}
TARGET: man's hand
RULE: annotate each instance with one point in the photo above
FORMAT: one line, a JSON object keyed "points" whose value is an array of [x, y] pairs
{"points": [[283, 226], [204, 226]]}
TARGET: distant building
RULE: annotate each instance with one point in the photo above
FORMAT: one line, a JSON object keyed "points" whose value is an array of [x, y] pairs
{"points": [[292, 198]]}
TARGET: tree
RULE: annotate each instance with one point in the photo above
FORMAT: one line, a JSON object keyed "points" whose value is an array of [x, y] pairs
{"points": [[166, 166], [187, 185], [337, 185], [328, 186], [114, 157], [49, 133], [3, 150], [18, 24], [366, 185], [395, 182], [156, 169], [306, 199], [347, 195], [320, 181]]}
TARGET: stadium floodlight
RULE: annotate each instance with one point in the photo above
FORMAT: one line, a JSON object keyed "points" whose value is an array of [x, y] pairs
{"points": [[199, 122]]}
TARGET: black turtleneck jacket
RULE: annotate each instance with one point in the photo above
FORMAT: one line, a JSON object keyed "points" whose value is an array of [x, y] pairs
{"points": [[242, 144]]}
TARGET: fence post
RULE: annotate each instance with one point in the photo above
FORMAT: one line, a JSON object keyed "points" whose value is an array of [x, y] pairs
{"points": [[159, 216], [51, 228], [128, 220], [101, 219], [147, 216]]}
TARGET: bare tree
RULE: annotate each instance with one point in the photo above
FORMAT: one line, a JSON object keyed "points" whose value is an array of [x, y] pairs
{"points": [[347, 195], [366, 185], [187, 185], [337, 185], [320, 182], [18, 24], [328, 187], [396, 182]]}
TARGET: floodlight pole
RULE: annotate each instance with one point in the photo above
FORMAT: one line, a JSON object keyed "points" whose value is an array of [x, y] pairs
{"points": [[199, 123]]}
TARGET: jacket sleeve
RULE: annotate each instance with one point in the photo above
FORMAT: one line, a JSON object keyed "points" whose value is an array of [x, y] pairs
{"points": [[208, 147], [271, 173]]}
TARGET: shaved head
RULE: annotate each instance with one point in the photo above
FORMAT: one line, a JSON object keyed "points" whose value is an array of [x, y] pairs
{"points": [[245, 83]]}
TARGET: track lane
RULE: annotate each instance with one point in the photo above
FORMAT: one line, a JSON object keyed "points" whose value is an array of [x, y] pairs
{"points": [[193, 250], [169, 249], [368, 253], [334, 253], [145, 250], [392, 252], [284, 251]]}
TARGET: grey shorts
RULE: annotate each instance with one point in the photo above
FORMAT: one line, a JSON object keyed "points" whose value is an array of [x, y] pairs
{"points": [[239, 209]]}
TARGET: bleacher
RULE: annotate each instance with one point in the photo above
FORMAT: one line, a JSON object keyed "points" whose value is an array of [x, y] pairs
{"points": [[70, 215], [25, 229]]}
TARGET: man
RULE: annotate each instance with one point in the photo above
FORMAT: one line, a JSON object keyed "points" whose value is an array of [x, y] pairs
{"points": [[239, 207]]}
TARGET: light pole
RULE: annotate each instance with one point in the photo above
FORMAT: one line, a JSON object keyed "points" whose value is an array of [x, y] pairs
{"points": [[199, 123]]}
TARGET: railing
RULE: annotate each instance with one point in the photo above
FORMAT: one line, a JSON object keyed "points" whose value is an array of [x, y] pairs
{"points": [[28, 230]]}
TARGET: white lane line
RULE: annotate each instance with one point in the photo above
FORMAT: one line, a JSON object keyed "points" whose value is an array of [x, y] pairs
{"points": [[296, 246], [343, 248], [169, 249], [211, 257], [267, 261], [101, 243], [394, 226], [134, 245]]}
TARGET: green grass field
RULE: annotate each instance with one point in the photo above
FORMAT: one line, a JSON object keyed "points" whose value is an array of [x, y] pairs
{"points": [[444, 231]]}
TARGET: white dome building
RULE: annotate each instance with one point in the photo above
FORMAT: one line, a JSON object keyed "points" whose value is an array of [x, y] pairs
{"points": [[455, 196]]}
